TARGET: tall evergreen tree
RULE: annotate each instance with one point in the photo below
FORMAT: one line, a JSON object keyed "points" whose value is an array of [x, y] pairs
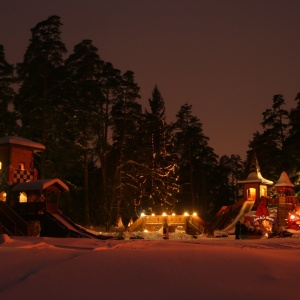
{"points": [[275, 121], [292, 143], [231, 169], [8, 124], [83, 107], [110, 87], [196, 161], [161, 186], [39, 97], [126, 113], [269, 144]]}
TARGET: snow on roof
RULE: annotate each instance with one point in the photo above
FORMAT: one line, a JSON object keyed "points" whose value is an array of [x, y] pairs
{"points": [[21, 141], [38, 185], [256, 177], [284, 180]]}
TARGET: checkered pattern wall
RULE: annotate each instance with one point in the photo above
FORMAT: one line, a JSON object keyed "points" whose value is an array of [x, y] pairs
{"points": [[22, 175]]}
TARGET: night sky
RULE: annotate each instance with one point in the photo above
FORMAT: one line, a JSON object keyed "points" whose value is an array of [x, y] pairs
{"points": [[227, 58]]}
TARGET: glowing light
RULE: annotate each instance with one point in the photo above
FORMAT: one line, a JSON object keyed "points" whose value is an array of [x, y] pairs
{"points": [[142, 215], [153, 215], [3, 196], [173, 214], [164, 214], [23, 198], [186, 214], [145, 230], [292, 217], [194, 214]]}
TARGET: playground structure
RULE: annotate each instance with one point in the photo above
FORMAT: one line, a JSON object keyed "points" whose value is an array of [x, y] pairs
{"points": [[29, 206], [191, 224], [256, 211]]}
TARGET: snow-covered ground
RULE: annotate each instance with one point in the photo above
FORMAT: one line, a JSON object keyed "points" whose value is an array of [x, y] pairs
{"points": [[180, 268]]}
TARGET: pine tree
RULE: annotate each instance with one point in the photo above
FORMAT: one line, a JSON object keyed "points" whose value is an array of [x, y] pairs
{"points": [[39, 75], [126, 113], [83, 106], [196, 161], [231, 169], [268, 145], [292, 143], [160, 183], [275, 121], [110, 83], [8, 124]]}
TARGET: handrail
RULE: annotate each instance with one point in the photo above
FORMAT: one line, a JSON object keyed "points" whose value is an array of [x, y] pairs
{"points": [[136, 224], [10, 225], [8, 212]]}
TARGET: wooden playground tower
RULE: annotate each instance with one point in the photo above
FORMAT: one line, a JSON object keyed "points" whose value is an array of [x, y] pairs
{"points": [[25, 200]]}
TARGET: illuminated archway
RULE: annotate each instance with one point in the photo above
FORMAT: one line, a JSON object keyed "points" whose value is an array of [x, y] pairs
{"points": [[3, 196], [251, 194], [23, 197], [263, 190]]}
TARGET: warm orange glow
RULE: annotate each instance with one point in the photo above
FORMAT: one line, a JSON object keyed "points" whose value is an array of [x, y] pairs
{"points": [[23, 198], [3, 196]]}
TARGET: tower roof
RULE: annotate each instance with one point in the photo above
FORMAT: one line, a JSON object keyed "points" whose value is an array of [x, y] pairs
{"points": [[21, 141], [284, 181], [255, 175]]}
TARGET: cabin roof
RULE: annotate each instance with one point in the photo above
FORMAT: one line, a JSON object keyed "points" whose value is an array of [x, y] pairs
{"points": [[38, 185], [21, 141]]}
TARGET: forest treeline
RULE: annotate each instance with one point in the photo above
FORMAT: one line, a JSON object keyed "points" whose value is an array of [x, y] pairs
{"points": [[117, 158]]}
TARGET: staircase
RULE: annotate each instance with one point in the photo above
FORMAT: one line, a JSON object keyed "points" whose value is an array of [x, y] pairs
{"points": [[11, 222]]}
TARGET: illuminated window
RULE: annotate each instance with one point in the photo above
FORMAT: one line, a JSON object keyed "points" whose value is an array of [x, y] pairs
{"points": [[251, 194], [23, 198], [21, 166], [263, 192], [3, 196], [0, 165]]}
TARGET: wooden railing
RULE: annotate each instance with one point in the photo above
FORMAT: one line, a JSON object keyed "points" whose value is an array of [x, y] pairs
{"points": [[284, 199], [11, 220], [136, 224]]}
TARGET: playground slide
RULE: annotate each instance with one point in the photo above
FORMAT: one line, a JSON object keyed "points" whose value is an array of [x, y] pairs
{"points": [[246, 207], [73, 229]]}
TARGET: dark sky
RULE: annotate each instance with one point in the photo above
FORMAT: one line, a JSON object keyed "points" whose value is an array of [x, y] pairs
{"points": [[227, 58]]}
